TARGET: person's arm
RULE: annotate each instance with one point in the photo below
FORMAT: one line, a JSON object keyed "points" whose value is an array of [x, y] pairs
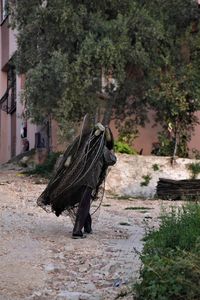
{"points": [[109, 157]]}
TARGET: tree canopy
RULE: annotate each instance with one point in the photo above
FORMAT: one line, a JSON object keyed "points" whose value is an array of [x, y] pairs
{"points": [[66, 47], [175, 94]]}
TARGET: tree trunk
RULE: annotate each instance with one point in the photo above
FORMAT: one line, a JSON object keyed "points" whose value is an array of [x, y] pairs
{"points": [[49, 134], [175, 149], [108, 110]]}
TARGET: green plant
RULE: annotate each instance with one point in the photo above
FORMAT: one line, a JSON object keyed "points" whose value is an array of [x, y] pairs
{"points": [[194, 169], [156, 167], [71, 71], [166, 144], [122, 147], [127, 132], [179, 228], [171, 257], [47, 167], [176, 276], [147, 179], [137, 208]]}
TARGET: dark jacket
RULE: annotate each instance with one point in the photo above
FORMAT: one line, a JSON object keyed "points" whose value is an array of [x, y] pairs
{"points": [[107, 159]]}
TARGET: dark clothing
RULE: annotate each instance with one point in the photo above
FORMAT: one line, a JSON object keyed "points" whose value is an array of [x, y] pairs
{"points": [[79, 179], [90, 159], [83, 217], [105, 160]]}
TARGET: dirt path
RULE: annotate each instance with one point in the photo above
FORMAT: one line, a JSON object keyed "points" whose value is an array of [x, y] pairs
{"points": [[39, 260]]}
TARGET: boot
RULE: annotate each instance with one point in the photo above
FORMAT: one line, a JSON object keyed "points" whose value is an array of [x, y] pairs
{"points": [[77, 232]]}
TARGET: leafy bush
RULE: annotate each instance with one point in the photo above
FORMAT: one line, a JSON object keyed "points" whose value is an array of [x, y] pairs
{"points": [[171, 258], [47, 167], [156, 167], [174, 277], [147, 178], [194, 169], [179, 228], [122, 147], [165, 146]]}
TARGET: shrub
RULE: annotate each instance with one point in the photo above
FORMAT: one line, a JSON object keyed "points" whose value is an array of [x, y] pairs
{"points": [[179, 228], [147, 178], [165, 146], [156, 167], [174, 277], [194, 169], [122, 147], [171, 257], [47, 167]]}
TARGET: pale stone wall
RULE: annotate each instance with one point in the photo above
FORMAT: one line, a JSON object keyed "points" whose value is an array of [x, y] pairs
{"points": [[124, 179]]}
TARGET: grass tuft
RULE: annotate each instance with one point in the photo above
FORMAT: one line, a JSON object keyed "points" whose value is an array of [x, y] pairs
{"points": [[137, 208]]}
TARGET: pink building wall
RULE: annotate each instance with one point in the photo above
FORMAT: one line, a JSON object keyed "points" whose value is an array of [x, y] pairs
{"points": [[6, 119], [195, 141], [147, 135], [4, 43], [8, 47]]}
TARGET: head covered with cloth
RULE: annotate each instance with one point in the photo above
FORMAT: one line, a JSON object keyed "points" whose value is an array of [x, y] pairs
{"points": [[80, 176]]}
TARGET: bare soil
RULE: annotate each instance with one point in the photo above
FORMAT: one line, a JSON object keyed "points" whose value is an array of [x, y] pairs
{"points": [[39, 259]]}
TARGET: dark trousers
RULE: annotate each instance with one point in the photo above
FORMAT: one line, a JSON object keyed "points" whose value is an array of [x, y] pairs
{"points": [[83, 218]]}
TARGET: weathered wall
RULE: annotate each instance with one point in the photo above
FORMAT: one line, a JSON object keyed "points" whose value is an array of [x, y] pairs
{"points": [[124, 179], [5, 47]]}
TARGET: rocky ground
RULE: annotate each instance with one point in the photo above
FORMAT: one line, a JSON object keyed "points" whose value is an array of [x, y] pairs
{"points": [[39, 259]]}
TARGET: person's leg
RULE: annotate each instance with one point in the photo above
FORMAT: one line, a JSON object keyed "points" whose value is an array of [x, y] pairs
{"points": [[88, 224], [83, 212]]}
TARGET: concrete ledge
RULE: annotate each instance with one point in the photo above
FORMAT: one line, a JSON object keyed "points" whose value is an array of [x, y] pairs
{"points": [[126, 177]]}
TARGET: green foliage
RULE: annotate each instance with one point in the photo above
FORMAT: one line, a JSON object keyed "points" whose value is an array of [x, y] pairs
{"points": [[174, 277], [128, 132], [122, 147], [47, 167], [150, 48], [194, 169], [174, 95], [147, 178], [175, 92], [137, 208], [156, 167], [166, 144], [179, 228], [171, 257], [164, 147], [126, 139], [66, 47]]}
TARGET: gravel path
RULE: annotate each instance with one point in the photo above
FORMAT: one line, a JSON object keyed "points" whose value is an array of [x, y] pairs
{"points": [[39, 260]]}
